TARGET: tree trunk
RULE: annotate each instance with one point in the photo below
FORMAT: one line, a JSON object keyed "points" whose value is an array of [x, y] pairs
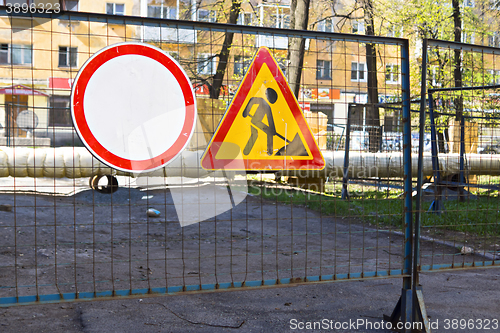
{"points": [[299, 16], [372, 110], [225, 51], [457, 73]]}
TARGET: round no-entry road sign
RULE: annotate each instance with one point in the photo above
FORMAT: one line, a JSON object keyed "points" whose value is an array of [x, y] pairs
{"points": [[133, 106]]}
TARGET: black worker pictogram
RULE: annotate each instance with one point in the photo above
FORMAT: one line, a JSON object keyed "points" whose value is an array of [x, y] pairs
{"points": [[264, 110]]}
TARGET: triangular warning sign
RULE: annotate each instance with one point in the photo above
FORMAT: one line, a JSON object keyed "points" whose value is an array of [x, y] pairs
{"points": [[263, 128]]}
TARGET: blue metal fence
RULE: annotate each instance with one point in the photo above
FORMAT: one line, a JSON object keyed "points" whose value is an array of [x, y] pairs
{"points": [[458, 210]]}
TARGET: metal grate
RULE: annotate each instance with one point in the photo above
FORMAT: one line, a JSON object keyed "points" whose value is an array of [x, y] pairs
{"points": [[460, 202]]}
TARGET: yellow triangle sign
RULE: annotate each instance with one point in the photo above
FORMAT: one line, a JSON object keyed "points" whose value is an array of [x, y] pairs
{"points": [[263, 127]]}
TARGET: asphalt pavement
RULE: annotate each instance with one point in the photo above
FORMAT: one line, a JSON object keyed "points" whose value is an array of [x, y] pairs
{"points": [[470, 295]]}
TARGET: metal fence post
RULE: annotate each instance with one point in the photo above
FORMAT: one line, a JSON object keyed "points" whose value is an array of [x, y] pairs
{"points": [[419, 312], [436, 205], [410, 307], [345, 178], [407, 301]]}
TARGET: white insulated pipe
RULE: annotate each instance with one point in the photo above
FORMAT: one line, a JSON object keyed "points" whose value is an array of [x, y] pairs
{"points": [[365, 165], [77, 162]]}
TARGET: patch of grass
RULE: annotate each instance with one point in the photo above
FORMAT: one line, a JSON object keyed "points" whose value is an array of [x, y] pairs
{"points": [[480, 217], [372, 206]]}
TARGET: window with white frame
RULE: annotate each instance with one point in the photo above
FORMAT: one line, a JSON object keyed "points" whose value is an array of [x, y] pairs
{"points": [[280, 21], [67, 56], [245, 18], [326, 25], [358, 27], [207, 64], [323, 70], [358, 71], [494, 76], [162, 11], [16, 54], [392, 74], [436, 77], [241, 64], [494, 39], [468, 37], [70, 5], [206, 15], [115, 8]]}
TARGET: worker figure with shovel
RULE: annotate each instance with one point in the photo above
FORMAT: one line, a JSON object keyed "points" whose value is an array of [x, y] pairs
{"points": [[293, 148]]}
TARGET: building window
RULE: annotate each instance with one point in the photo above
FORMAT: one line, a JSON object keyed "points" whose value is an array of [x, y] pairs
{"points": [[326, 25], [163, 12], [358, 72], [241, 64], [206, 15], [115, 9], [16, 54], [245, 19], [67, 56], [70, 5], [323, 70], [358, 27], [207, 64], [468, 37], [391, 73], [436, 76], [59, 112], [280, 21], [493, 40]]}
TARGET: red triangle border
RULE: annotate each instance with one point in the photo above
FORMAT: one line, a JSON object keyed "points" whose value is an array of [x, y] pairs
{"points": [[208, 160]]}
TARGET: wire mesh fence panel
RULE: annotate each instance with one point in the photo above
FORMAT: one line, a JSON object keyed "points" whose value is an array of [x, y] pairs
{"points": [[459, 217], [72, 227]]}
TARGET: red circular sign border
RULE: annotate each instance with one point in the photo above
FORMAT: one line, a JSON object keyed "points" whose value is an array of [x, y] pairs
{"points": [[78, 112]]}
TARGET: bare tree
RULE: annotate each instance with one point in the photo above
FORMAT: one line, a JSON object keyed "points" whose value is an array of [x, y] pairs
{"points": [[299, 18], [457, 71], [225, 51], [372, 110]]}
